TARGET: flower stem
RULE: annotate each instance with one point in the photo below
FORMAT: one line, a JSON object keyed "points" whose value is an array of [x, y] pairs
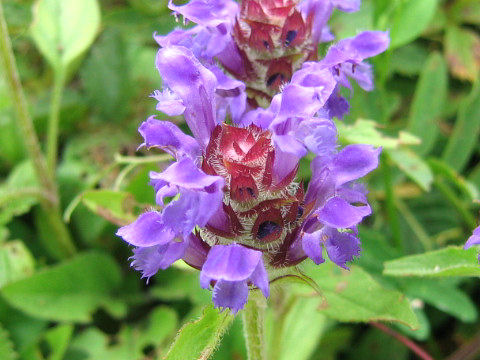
{"points": [[60, 239], [253, 317], [20, 105], [53, 121], [422, 354]]}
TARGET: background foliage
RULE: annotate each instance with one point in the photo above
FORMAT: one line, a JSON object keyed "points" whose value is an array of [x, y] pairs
{"points": [[93, 61]]}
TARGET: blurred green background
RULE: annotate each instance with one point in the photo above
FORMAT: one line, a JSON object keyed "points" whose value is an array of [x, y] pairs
{"points": [[424, 111]]}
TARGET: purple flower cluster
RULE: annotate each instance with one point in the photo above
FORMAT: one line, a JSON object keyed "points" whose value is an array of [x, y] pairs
{"points": [[236, 212]]}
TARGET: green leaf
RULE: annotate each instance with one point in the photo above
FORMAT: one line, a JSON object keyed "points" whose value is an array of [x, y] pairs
{"points": [[130, 341], [58, 339], [461, 52], [175, 284], [409, 59], [3, 234], [198, 339], [443, 296], [106, 77], [450, 261], [464, 139], [232, 345], [377, 345], [6, 347], [464, 186], [149, 7], [25, 331], [301, 319], [424, 329], [70, 291], [466, 11], [161, 324], [345, 24], [348, 296], [91, 344], [408, 19], [413, 166], [138, 184], [428, 102], [14, 200], [115, 206], [63, 29], [16, 262], [365, 132]]}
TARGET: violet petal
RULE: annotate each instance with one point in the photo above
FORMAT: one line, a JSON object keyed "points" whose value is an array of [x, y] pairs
{"points": [[338, 213], [147, 230]]}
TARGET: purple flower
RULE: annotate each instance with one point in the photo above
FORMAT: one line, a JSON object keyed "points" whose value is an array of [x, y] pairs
{"points": [[200, 195], [168, 137], [232, 268], [335, 197], [473, 240], [346, 60], [229, 205], [212, 36]]}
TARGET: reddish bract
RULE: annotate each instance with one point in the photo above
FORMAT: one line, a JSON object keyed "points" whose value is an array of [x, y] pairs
{"points": [[274, 40], [258, 211]]}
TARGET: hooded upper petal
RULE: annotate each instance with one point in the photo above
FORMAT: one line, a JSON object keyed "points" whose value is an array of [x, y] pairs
{"points": [[338, 213], [194, 84], [354, 162], [231, 262], [356, 49], [345, 58]]}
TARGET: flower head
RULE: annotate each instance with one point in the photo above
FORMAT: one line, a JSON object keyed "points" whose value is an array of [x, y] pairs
{"points": [[237, 212]]}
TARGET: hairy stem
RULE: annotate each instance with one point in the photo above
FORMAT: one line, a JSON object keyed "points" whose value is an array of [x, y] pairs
{"points": [[60, 239], [20, 105], [253, 317], [53, 121]]}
